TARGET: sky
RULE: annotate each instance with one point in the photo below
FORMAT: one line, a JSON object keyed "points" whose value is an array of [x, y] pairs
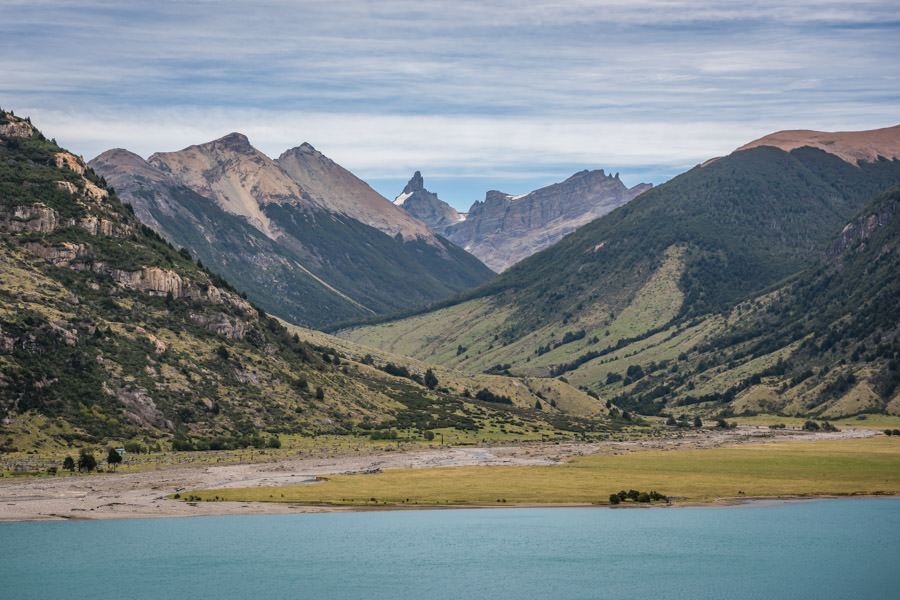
{"points": [[491, 94]]}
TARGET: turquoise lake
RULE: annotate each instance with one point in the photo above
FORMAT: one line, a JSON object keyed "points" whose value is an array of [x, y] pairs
{"points": [[816, 549]]}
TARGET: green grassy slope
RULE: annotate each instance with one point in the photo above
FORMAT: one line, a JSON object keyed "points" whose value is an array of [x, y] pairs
{"points": [[666, 303]]}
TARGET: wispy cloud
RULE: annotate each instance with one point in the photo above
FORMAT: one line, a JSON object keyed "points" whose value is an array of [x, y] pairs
{"points": [[463, 87]]}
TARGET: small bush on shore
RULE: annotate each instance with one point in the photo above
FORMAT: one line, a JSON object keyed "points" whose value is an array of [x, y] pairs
{"points": [[637, 497]]}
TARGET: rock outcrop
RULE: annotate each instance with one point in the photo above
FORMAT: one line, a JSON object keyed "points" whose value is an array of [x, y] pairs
{"points": [[152, 280], [39, 218], [221, 324], [69, 161], [856, 234], [17, 128]]}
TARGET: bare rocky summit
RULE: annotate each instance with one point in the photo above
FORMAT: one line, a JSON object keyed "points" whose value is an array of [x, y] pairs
{"points": [[335, 188], [238, 176]]}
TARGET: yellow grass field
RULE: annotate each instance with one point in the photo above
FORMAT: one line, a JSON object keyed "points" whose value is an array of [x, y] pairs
{"points": [[839, 467]]}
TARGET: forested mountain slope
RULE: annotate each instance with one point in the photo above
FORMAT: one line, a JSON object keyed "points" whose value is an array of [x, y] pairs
{"points": [[679, 266]]}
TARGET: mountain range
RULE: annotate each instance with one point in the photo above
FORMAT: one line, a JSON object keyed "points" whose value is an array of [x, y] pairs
{"points": [[303, 237], [504, 229], [762, 281], [108, 332], [666, 304]]}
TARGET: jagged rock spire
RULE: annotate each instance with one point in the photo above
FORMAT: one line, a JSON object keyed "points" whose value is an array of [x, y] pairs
{"points": [[416, 184]]}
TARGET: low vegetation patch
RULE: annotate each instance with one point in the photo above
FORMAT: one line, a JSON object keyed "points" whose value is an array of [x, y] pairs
{"points": [[834, 467], [636, 497]]}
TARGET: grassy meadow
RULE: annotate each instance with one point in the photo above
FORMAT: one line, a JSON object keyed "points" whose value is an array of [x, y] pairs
{"points": [[838, 467]]}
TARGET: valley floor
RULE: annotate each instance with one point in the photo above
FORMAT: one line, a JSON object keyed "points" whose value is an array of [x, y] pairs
{"points": [[143, 494]]}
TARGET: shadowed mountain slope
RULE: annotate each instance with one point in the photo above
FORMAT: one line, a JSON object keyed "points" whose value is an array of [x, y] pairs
{"points": [[286, 236]]}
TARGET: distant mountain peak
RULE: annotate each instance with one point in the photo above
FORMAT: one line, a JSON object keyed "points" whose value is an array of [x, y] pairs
{"points": [[338, 190], [240, 178], [494, 197], [303, 236], [504, 228], [426, 206], [304, 148], [416, 184], [234, 141], [235, 136]]}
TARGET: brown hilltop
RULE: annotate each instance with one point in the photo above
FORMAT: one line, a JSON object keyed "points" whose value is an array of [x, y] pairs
{"points": [[851, 146]]}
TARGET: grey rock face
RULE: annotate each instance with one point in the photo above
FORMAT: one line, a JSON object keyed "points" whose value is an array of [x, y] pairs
{"points": [[426, 206], [503, 229]]}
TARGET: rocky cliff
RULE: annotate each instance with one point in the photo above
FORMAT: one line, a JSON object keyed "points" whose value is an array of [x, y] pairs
{"points": [[504, 229]]}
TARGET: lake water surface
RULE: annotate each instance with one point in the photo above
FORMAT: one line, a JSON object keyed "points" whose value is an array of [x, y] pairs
{"points": [[817, 549]]}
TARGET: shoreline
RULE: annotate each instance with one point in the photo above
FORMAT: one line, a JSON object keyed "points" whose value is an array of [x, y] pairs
{"points": [[143, 494], [274, 508]]}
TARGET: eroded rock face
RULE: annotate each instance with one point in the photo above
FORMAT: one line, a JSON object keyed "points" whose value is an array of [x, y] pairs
{"points": [[39, 218], [222, 324], [67, 160], [856, 234], [139, 406], [17, 128], [67, 186], [61, 255], [152, 280], [35, 218], [99, 226]]}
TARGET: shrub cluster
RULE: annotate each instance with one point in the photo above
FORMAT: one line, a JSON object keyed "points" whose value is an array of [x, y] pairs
{"points": [[813, 426], [636, 496]]}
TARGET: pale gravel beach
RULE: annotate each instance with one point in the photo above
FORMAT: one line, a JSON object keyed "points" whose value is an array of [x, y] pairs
{"points": [[136, 495]]}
